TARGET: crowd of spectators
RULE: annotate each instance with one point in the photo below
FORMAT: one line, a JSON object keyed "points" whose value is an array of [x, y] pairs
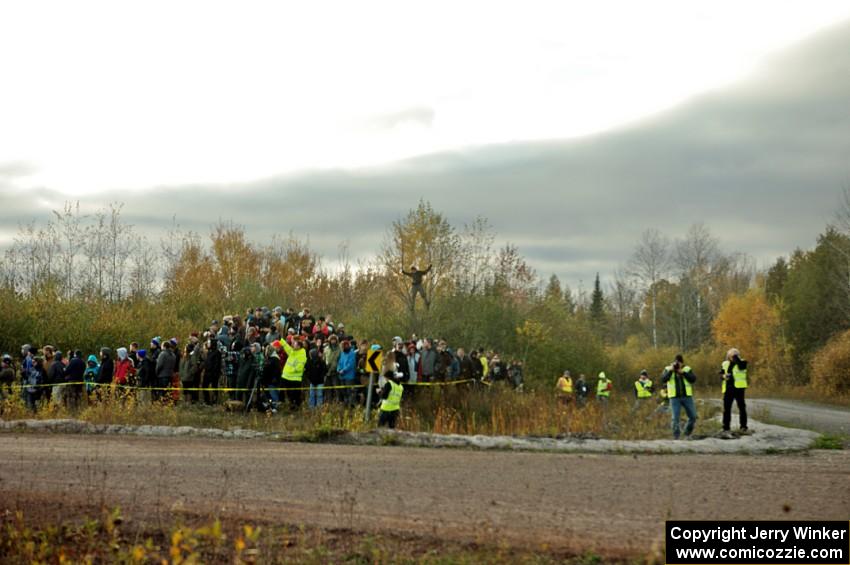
{"points": [[264, 359]]}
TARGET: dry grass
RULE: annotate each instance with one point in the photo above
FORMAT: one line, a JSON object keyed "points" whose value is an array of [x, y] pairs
{"points": [[443, 410], [803, 393], [112, 539]]}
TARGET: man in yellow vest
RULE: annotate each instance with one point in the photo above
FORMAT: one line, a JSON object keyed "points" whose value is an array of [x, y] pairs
{"points": [[293, 370], [679, 379], [734, 373], [390, 399], [643, 390], [565, 387], [603, 389]]}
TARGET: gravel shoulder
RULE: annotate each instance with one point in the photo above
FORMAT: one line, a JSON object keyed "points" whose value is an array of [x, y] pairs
{"points": [[614, 505], [765, 439]]}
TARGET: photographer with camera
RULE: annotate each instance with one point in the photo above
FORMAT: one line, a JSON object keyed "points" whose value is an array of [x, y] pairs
{"points": [[679, 379]]}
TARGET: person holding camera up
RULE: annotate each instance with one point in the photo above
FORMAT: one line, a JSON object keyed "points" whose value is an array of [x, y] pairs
{"points": [[679, 379], [734, 374]]}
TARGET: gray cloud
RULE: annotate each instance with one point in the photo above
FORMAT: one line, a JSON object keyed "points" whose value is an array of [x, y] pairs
{"points": [[760, 163]]}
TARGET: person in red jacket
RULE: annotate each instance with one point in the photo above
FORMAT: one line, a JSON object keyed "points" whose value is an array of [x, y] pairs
{"points": [[123, 368]]}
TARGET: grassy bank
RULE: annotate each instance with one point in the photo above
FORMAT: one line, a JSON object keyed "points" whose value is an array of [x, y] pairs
{"points": [[456, 410], [110, 538]]}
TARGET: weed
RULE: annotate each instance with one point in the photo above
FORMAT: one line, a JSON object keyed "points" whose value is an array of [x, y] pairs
{"points": [[828, 441]]}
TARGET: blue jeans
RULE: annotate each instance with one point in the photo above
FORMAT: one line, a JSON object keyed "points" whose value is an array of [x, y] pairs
{"points": [[273, 394], [676, 406], [316, 395]]}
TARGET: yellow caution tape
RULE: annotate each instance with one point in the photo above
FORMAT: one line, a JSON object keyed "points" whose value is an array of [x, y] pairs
{"points": [[18, 387]]}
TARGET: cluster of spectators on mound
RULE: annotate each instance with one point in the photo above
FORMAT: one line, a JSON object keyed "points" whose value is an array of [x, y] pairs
{"points": [[256, 360]]}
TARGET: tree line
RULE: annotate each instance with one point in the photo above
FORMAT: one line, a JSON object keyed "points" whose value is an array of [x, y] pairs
{"points": [[85, 280]]}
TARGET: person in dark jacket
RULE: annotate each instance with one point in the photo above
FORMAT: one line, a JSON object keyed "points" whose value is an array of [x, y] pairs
{"points": [[477, 366], [246, 373], [427, 361], [465, 364], [107, 366], [212, 371], [74, 374], [400, 359], [56, 376], [315, 370], [166, 364], [443, 366], [271, 373]]}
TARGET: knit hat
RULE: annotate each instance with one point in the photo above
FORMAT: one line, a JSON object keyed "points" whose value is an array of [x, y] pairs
{"points": [[122, 353], [173, 341], [276, 344], [156, 341], [141, 353]]}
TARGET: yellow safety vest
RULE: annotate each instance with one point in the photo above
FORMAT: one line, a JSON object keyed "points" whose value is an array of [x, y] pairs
{"points": [[393, 402], [643, 389], [739, 376], [671, 384], [485, 366], [566, 385], [602, 388], [293, 370]]}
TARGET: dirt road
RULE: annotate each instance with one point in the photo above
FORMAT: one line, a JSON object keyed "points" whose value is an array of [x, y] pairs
{"points": [[612, 504], [825, 419]]}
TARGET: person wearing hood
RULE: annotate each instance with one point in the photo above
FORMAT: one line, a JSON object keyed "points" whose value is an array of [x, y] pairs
{"points": [[166, 363], [123, 368], [107, 366], [315, 370], [91, 374]]}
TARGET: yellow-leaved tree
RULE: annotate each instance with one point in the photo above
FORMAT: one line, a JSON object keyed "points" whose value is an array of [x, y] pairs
{"points": [[751, 324]]}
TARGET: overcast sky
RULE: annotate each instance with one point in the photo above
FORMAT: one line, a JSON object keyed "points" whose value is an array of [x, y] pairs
{"points": [[571, 126]]}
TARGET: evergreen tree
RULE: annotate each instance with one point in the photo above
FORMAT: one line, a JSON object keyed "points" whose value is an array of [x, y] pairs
{"points": [[597, 305]]}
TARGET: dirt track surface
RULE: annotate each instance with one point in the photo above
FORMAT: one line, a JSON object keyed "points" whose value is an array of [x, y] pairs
{"points": [[611, 504], [827, 419]]}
